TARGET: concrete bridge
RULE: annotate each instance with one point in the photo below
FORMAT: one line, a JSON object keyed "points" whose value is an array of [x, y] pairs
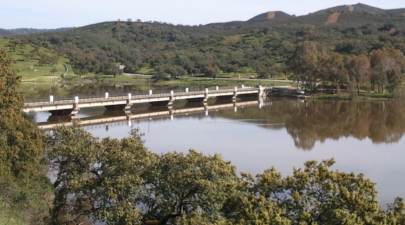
{"points": [[111, 120], [72, 107]]}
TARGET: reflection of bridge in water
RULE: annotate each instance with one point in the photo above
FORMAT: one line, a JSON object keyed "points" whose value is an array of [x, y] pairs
{"points": [[128, 118]]}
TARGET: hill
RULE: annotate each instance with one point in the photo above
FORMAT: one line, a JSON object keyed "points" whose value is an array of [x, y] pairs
{"points": [[4, 32], [262, 45], [343, 16], [397, 12], [352, 16], [273, 16]]}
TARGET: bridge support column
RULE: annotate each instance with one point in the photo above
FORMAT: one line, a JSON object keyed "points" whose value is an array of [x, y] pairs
{"points": [[206, 96], [76, 108], [128, 106], [171, 101], [261, 92], [235, 94]]}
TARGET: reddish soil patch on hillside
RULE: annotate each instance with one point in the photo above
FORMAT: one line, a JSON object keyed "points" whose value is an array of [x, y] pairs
{"points": [[333, 18]]}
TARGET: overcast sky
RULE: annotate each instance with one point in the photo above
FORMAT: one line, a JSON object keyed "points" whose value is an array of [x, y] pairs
{"points": [[67, 13]]}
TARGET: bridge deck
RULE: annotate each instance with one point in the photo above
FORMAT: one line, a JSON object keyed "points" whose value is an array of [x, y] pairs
{"points": [[136, 99]]}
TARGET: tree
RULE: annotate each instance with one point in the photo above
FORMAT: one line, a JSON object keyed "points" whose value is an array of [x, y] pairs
{"points": [[23, 183], [182, 185], [396, 212], [306, 63], [262, 70], [359, 70], [211, 70], [245, 206], [97, 180], [46, 58], [317, 195], [20, 141], [332, 69], [387, 68]]}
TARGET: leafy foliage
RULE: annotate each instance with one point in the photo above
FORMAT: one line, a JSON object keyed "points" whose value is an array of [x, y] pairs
{"points": [[120, 182], [380, 70], [97, 180], [181, 185], [22, 183], [20, 141]]}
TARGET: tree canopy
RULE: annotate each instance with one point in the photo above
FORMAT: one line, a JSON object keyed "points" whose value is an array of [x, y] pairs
{"points": [[120, 182]]}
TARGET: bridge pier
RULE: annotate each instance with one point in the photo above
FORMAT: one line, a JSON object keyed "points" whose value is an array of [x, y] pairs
{"points": [[206, 96], [76, 107], [128, 106], [235, 94], [75, 110], [262, 93]]}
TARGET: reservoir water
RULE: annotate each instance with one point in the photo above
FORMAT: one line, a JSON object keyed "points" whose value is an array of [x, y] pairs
{"points": [[362, 136]]}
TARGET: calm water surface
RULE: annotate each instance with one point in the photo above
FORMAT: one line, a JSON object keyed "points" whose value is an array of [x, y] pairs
{"points": [[363, 137]]}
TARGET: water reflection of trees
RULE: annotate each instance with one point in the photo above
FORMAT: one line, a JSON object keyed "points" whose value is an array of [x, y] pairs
{"points": [[317, 121]]}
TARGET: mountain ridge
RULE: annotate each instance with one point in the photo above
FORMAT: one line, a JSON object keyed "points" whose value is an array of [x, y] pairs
{"points": [[271, 16], [346, 15], [28, 31]]}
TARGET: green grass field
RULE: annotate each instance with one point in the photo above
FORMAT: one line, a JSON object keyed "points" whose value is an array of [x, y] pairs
{"points": [[28, 62]]}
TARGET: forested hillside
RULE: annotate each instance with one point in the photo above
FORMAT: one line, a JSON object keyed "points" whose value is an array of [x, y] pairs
{"points": [[267, 44]]}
